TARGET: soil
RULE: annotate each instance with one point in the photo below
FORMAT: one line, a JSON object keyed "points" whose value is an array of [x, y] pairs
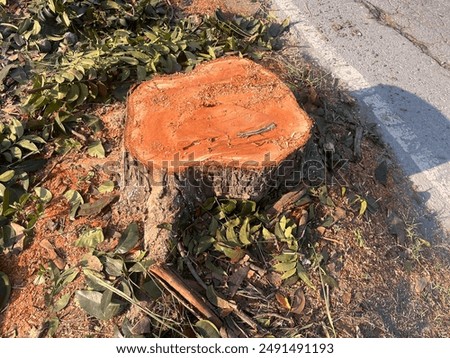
{"points": [[390, 281], [226, 98], [229, 7]]}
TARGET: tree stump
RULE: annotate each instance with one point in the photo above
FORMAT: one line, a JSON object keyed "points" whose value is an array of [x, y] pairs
{"points": [[229, 128]]}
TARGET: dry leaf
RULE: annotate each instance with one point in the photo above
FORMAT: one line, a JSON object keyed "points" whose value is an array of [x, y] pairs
{"points": [[237, 278], [303, 218], [298, 301], [275, 279], [47, 245], [339, 213], [283, 301], [225, 306], [321, 230]]}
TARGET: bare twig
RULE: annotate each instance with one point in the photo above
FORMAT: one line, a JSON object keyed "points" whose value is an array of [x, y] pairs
{"points": [[333, 240], [326, 296], [173, 280]]}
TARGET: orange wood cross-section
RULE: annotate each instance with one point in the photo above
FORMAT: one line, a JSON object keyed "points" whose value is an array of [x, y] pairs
{"points": [[227, 112]]}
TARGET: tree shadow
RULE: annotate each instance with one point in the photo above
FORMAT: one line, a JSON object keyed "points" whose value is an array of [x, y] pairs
{"points": [[419, 135]]}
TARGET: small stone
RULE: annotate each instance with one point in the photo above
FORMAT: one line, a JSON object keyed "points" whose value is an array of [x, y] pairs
{"points": [[421, 283], [346, 298]]}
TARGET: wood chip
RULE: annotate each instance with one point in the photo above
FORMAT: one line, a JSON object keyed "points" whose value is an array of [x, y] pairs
{"points": [[285, 201]]}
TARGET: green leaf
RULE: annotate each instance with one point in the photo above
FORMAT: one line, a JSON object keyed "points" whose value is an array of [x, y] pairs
{"points": [[248, 207], [228, 206], [279, 232], [35, 138], [231, 236], [204, 243], [74, 93], [329, 220], [288, 256], [5, 290], [66, 277], [288, 274], [95, 149], [207, 329], [68, 76], [53, 324], [329, 280], [301, 273], [141, 73], [31, 165], [90, 238], [128, 240], [282, 223], [65, 19], [43, 194], [95, 280], [113, 267], [75, 200], [51, 5], [17, 128], [140, 56], [129, 60], [244, 233], [36, 28], [26, 144], [4, 72], [106, 187], [6, 176], [91, 302], [62, 302], [151, 289], [267, 235], [233, 253], [97, 206], [84, 93], [285, 266], [16, 154]]}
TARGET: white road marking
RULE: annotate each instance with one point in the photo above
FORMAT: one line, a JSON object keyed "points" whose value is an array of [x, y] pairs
{"points": [[428, 180]]}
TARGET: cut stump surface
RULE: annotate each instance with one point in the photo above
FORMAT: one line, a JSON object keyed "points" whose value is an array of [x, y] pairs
{"points": [[230, 111]]}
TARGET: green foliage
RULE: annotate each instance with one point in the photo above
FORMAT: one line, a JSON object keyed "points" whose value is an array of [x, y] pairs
{"points": [[91, 48], [235, 225], [112, 276], [56, 280]]}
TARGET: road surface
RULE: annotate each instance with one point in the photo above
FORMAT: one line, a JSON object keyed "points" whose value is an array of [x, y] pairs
{"points": [[394, 57]]}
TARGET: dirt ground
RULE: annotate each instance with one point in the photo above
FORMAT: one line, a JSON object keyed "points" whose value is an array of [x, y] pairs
{"points": [[390, 281]]}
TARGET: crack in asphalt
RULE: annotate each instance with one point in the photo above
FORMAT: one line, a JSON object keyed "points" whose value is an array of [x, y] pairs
{"points": [[385, 19]]}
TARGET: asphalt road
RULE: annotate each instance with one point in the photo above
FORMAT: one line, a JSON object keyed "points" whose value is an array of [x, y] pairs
{"points": [[394, 57]]}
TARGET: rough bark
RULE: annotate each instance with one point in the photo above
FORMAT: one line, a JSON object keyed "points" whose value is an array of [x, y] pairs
{"points": [[167, 200]]}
